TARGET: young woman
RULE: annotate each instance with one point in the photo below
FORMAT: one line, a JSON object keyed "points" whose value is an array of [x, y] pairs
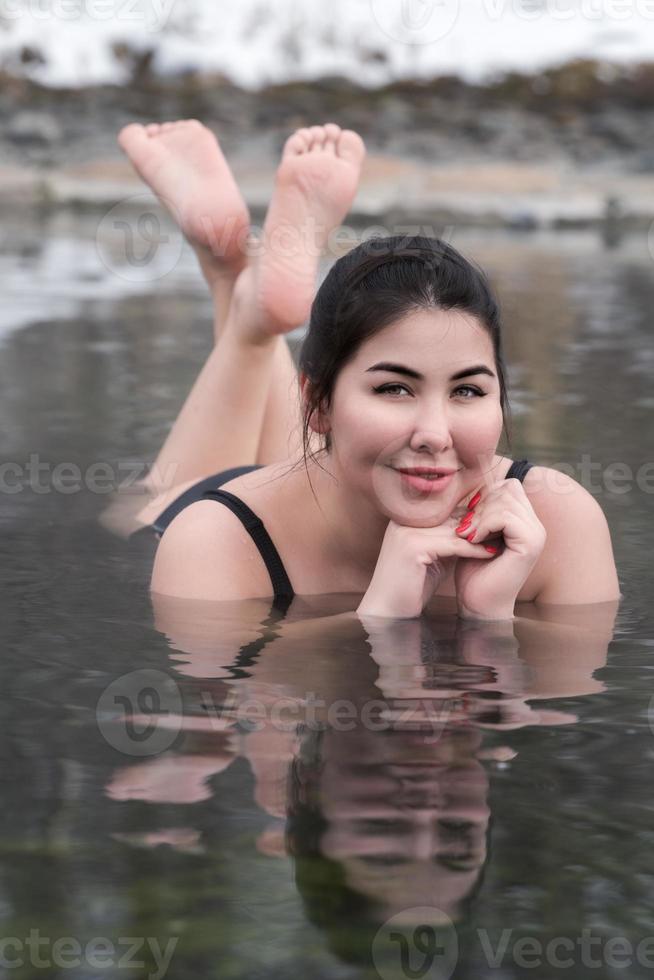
{"points": [[394, 489]]}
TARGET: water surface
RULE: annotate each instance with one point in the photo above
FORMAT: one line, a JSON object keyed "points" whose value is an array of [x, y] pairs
{"points": [[307, 780]]}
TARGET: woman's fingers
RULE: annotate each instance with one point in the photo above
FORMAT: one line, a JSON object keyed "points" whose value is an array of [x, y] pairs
{"points": [[456, 547], [473, 550], [493, 517]]}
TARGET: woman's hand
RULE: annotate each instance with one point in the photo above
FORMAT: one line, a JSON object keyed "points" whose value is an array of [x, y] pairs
{"points": [[412, 562], [503, 518]]}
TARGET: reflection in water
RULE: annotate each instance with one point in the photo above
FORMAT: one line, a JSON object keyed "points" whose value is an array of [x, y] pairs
{"points": [[371, 744], [385, 822], [97, 377]]}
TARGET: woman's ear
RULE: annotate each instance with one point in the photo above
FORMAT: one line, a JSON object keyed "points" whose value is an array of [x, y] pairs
{"points": [[318, 420]]}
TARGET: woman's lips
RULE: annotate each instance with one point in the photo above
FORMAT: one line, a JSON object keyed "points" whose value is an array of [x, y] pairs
{"points": [[424, 485]]}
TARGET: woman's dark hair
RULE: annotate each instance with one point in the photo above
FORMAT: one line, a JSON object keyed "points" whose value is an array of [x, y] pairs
{"points": [[348, 917], [378, 283]]}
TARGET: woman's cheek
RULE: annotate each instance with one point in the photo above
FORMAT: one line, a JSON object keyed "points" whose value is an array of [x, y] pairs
{"points": [[479, 442], [365, 424]]}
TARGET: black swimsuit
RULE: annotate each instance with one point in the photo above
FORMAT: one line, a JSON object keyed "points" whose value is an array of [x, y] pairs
{"points": [[207, 490]]}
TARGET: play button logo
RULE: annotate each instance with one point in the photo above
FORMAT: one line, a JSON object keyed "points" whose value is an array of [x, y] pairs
{"points": [[416, 21]]}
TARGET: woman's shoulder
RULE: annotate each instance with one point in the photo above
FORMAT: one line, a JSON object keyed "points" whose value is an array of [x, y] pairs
{"points": [[541, 483], [207, 553], [556, 490], [577, 562], [563, 505]]}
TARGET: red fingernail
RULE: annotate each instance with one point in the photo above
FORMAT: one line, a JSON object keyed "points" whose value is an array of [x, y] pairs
{"points": [[471, 536], [475, 500], [491, 549], [464, 522]]}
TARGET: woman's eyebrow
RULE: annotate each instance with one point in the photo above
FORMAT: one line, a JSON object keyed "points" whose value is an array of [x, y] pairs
{"points": [[410, 373]]}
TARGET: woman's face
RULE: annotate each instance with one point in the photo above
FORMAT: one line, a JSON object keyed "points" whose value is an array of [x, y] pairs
{"points": [[384, 420]]}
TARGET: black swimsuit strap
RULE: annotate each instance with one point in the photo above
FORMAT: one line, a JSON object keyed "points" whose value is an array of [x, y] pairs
{"points": [[518, 470], [255, 528]]}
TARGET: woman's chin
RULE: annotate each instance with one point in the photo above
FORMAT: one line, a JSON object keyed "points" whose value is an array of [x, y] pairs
{"points": [[426, 513], [433, 520], [415, 506]]}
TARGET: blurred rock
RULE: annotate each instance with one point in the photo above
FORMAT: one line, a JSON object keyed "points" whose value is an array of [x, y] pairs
{"points": [[590, 128], [29, 128]]}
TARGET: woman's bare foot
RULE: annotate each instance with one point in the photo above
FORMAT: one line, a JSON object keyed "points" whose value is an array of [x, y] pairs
{"points": [[184, 165], [315, 185]]}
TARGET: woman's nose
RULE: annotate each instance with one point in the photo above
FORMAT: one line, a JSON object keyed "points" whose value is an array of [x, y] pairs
{"points": [[422, 844], [432, 418], [431, 435]]}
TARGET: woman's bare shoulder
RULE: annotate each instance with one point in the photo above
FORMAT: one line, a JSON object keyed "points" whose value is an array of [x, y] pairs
{"points": [[206, 553], [555, 490], [577, 563]]}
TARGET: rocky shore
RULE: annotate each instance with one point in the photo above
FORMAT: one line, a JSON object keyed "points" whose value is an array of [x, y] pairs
{"points": [[573, 146]]}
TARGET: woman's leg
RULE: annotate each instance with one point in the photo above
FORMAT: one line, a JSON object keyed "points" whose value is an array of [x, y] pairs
{"points": [[281, 435], [243, 407], [281, 430]]}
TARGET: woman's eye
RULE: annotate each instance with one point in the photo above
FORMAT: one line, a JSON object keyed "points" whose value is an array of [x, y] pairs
{"points": [[469, 390], [474, 391], [389, 388]]}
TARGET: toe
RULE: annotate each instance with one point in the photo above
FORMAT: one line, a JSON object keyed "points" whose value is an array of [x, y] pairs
{"points": [[153, 129], [131, 135], [317, 137], [305, 134], [351, 147], [295, 144], [166, 127], [332, 133]]}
